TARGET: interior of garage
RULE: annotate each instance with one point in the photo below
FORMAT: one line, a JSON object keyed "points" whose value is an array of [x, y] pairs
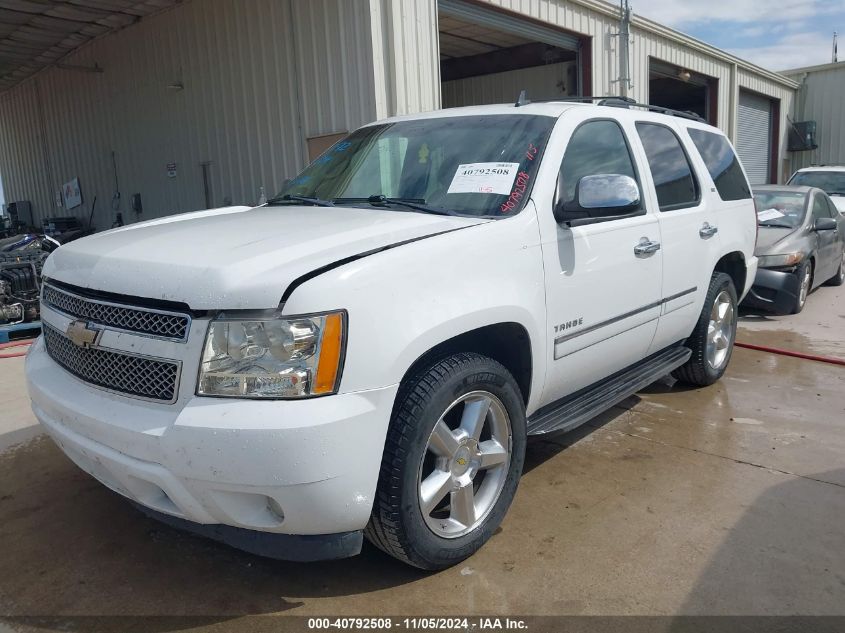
{"points": [[485, 59], [680, 89]]}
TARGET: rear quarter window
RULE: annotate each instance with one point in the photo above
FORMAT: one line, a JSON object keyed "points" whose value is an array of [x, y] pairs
{"points": [[722, 164]]}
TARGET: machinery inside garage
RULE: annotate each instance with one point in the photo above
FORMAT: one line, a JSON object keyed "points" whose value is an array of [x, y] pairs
{"points": [[488, 58]]}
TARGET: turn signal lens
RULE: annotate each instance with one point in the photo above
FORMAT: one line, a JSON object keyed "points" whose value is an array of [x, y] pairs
{"points": [[330, 355]]}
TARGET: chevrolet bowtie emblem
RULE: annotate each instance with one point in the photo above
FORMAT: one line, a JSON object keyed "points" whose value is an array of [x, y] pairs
{"points": [[81, 334]]}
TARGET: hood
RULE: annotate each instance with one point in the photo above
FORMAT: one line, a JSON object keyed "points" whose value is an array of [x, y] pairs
{"points": [[237, 257], [769, 238], [839, 201]]}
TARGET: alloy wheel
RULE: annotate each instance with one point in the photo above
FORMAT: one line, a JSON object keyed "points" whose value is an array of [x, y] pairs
{"points": [[805, 286], [720, 330], [465, 464]]}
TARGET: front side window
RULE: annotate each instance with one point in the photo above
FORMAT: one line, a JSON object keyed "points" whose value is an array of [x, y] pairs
{"points": [[722, 164], [676, 186], [820, 208], [596, 147], [831, 182], [466, 165]]}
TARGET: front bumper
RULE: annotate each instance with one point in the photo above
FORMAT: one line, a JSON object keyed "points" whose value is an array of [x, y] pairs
{"points": [[774, 291], [306, 467]]}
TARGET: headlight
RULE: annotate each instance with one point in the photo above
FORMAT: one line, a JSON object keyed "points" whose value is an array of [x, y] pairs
{"points": [[287, 357], [777, 261]]}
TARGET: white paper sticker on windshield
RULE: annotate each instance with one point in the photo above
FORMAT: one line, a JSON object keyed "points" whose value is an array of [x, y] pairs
{"points": [[484, 178], [769, 214]]}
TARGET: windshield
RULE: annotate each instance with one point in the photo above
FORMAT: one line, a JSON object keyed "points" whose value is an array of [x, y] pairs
{"points": [[780, 208], [468, 165], [831, 182]]}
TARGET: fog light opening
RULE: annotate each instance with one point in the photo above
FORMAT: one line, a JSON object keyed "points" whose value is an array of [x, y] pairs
{"points": [[275, 509]]}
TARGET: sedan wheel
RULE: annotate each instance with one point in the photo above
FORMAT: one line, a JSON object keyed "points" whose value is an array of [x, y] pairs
{"points": [[805, 283]]}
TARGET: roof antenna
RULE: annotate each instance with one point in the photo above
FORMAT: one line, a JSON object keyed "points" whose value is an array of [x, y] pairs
{"points": [[522, 99]]}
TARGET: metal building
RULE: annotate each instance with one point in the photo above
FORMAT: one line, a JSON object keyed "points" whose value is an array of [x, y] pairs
{"points": [[162, 106], [821, 99]]}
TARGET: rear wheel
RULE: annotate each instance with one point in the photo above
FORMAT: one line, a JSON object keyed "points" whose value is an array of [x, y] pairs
{"points": [[452, 462], [712, 340], [839, 278]]}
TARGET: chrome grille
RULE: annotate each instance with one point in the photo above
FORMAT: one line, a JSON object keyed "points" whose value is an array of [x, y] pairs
{"points": [[170, 325], [138, 376]]}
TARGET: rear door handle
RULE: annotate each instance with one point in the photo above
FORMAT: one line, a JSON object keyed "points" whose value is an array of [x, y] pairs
{"points": [[707, 231], [646, 247]]}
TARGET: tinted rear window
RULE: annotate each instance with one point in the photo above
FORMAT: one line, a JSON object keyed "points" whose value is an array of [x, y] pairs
{"points": [[673, 179], [722, 164]]}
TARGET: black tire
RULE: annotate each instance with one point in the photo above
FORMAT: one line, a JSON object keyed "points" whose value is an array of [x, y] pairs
{"points": [[804, 268], [698, 370], [839, 278], [397, 525]]}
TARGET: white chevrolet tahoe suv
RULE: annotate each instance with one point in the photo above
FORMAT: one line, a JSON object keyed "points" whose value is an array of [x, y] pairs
{"points": [[366, 354]]}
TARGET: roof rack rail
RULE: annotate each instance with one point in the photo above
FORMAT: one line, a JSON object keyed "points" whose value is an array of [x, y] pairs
{"points": [[616, 101]]}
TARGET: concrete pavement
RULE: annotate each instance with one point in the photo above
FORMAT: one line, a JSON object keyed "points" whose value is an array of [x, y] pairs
{"points": [[724, 500]]}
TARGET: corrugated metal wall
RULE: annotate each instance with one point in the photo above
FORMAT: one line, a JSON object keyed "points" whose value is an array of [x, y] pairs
{"points": [[406, 46], [553, 81], [822, 99], [258, 79]]}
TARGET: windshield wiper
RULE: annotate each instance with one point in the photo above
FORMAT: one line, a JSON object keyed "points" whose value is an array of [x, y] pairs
{"points": [[319, 202], [779, 225], [417, 204]]}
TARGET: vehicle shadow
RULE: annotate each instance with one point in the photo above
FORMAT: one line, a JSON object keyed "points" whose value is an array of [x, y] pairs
{"points": [[69, 545], [770, 566]]}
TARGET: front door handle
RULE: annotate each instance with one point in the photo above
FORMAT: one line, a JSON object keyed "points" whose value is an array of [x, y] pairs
{"points": [[646, 247], [707, 231]]}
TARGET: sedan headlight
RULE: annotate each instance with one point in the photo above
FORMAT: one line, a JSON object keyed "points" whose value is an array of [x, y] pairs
{"points": [[290, 357], [778, 261]]}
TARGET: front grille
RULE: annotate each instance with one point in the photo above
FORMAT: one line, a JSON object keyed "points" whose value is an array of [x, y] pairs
{"points": [[138, 376], [153, 322]]}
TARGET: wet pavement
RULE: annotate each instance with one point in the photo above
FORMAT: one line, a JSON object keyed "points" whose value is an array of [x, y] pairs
{"points": [[723, 500]]}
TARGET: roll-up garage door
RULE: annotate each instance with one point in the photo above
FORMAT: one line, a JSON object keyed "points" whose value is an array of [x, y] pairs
{"points": [[482, 16], [754, 136]]}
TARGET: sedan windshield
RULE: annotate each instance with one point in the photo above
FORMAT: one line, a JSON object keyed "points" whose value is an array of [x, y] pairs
{"points": [[467, 165], [831, 182], [780, 208]]}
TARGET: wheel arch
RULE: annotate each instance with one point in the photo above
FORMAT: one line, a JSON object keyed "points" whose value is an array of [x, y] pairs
{"points": [[734, 266], [508, 343]]}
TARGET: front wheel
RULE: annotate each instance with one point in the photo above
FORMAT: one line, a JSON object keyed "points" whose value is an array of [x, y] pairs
{"points": [[712, 340], [804, 272], [452, 461]]}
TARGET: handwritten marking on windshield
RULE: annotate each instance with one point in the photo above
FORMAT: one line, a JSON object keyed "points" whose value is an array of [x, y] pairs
{"points": [[519, 188]]}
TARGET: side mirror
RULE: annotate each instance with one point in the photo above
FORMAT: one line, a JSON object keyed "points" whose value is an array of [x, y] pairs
{"points": [[825, 224], [599, 197]]}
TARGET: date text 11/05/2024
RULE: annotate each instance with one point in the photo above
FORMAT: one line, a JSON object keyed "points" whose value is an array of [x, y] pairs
{"points": [[418, 623]]}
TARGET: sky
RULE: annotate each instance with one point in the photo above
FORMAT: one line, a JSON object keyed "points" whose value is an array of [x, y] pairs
{"points": [[774, 34]]}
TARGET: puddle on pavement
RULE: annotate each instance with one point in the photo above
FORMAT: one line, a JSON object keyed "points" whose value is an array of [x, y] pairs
{"points": [[794, 341]]}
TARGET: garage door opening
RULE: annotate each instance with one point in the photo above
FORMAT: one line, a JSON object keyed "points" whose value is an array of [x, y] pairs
{"points": [[679, 89], [487, 56]]}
